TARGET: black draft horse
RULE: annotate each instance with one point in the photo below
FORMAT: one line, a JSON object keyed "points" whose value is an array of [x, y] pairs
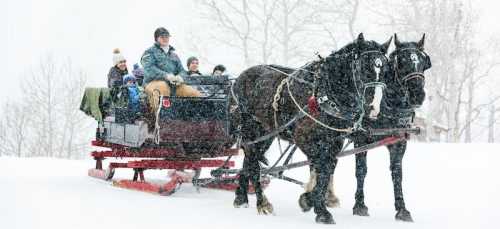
{"points": [[404, 93], [269, 96]]}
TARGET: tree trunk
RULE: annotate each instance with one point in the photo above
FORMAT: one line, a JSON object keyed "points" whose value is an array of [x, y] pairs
{"points": [[286, 38], [468, 117], [491, 124]]}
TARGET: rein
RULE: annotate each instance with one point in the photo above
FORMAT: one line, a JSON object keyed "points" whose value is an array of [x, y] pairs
{"points": [[286, 81]]}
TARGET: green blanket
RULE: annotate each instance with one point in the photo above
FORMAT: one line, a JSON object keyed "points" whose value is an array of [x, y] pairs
{"points": [[93, 102]]}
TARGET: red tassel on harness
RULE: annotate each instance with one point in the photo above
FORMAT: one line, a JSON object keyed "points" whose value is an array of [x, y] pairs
{"points": [[312, 104]]}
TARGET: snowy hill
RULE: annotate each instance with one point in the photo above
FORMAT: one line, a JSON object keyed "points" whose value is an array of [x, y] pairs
{"points": [[446, 186]]}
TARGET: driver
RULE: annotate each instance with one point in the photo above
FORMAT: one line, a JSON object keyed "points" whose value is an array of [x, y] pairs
{"points": [[162, 65]]}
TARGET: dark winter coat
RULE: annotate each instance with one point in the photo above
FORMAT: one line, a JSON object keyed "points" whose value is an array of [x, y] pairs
{"points": [[158, 63], [115, 77], [189, 73]]}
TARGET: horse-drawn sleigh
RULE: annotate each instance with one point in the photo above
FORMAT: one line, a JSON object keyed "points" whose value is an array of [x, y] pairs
{"points": [[315, 107]]}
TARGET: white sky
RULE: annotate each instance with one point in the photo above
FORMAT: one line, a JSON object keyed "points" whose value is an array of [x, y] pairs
{"points": [[87, 31]]}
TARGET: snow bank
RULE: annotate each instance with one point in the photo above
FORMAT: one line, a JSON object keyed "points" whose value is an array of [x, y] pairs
{"points": [[446, 186]]}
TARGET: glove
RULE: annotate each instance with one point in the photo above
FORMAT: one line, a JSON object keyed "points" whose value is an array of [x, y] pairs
{"points": [[175, 79]]}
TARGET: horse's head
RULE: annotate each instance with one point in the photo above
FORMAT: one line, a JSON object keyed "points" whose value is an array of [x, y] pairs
{"points": [[408, 63], [358, 70]]}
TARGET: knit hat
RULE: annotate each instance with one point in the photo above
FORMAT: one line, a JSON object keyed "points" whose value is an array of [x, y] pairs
{"points": [[219, 67], [191, 59], [161, 32], [117, 56], [138, 71], [127, 78]]}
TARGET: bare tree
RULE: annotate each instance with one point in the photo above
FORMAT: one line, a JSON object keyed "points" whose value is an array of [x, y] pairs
{"points": [[15, 123], [266, 31], [339, 12], [71, 140], [3, 138], [292, 19], [40, 89], [46, 120], [458, 62], [491, 124], [233, 19]]}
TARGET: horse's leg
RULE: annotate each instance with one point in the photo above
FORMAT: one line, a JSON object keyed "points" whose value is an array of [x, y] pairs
{"points": [[241, 199], [396, 154], [361, 169], [263, 205], [320, 147], [324, 163], [332, 201], [305, 201], [248, 132]]}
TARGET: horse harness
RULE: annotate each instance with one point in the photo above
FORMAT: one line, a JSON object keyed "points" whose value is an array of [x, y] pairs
{"points": [[325, 104], [412, 75]]}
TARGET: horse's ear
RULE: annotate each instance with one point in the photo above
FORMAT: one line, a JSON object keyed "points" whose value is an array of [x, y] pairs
{"points": [[421, 43], [361, 38], [396, 41], [385, 46]]}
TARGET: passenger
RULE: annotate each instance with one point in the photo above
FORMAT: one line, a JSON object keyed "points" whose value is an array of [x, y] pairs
{"points": [[139, 74], [193, 65], [118, 70], [134, 105], [161, 65], [219, 70]]}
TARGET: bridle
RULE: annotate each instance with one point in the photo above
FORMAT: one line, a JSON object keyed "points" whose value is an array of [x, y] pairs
{"points": [[356, 65], [402, 114], [356, 114], [412, 75]]}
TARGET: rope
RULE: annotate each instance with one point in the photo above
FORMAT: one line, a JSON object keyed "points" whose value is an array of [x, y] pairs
{"points": [[277, 95], [234, 96], [157, 122], [346, 130], [276, 126]]}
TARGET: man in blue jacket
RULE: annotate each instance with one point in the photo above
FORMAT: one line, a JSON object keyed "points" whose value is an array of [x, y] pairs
{"points": [[162, 67]]}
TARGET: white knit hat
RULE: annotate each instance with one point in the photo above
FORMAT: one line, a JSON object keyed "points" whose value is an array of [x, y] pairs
{"points": [[117, 56]]}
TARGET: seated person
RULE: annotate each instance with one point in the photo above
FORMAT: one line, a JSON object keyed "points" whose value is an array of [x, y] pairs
{"points": [[134, 104], [193, 64], [119, 69], [162, 67], [139, 74], [219, 70]]}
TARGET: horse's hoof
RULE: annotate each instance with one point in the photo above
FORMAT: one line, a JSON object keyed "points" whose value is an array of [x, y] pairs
{"points": [[404, 215], [240, 201], [360, 210], [325, 218], [265, 207], [305, 202]]}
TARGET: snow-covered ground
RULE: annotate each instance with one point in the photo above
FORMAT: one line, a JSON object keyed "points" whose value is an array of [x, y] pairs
{"points": [[446, 186]]}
